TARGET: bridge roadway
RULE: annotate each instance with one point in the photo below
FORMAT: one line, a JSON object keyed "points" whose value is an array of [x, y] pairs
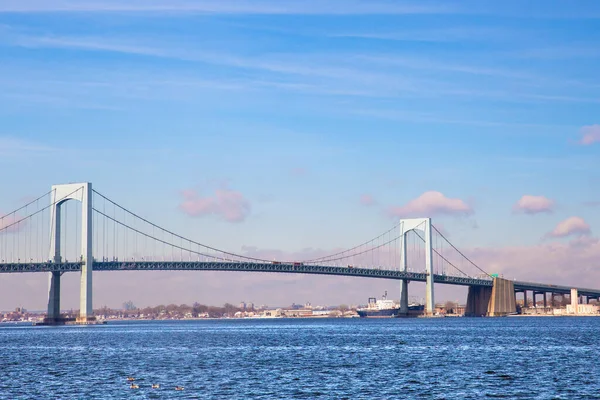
{"points": [[285, 268]]}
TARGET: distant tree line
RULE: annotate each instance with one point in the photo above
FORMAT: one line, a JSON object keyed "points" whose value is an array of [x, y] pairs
{"points": [[171, 310], [179, 311]]}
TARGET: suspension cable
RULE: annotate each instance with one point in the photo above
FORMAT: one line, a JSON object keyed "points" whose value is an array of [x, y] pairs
{"points": [[26, 205], [173, 246], [459, 252], [442, 257], [362, 252], [174, 234], [37, 212], [325, 258]]}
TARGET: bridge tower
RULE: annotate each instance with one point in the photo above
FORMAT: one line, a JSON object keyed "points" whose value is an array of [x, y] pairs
{"points": [[60, 194], [424, 225]]}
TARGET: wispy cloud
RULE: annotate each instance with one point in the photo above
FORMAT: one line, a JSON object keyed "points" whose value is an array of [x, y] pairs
{"points": [[10, 146], [430, 35], [560, 52], [91, 43], [443, 65], [426, 117], [308, 7], [362, 75]]}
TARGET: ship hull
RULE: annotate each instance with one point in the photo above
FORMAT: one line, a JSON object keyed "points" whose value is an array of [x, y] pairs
{"points": [[391, 313], [413, 311]]}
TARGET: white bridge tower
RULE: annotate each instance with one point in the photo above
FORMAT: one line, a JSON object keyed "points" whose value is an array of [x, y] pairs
{"points": [[424, 225], [61, 194]]}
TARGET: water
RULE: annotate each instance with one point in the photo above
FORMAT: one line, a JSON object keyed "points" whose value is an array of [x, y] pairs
{"points": [[440, 358]]}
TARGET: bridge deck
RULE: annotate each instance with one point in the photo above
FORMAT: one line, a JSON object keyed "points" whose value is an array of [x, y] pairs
{"points": [[282, 268]]}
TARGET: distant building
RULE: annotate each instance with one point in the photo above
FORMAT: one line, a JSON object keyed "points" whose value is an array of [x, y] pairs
{"points": [[584, 309], [296, 312]]}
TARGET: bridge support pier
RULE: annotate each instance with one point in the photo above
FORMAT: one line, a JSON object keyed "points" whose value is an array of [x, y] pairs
{"points": [[60, 194], [495, 301], [53, 316], [574, 301], [429, 298], [478, 300], [403, 283], [404, 298], [535, 298], [86, 311]]}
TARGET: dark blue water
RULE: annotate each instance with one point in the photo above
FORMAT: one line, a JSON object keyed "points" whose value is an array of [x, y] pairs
{"points": [[440, 358]]}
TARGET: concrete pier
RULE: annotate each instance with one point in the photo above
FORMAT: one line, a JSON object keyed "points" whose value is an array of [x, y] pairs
{"points": [[403, 283], [54, 296], [403, 298], [574, 301], [497, 301], [478, 301]]}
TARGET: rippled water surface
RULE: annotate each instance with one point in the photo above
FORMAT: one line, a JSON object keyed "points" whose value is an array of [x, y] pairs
{"points": [[439, 358]]}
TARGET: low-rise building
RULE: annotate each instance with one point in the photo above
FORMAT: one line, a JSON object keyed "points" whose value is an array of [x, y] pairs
{"points": [[582, 309]]}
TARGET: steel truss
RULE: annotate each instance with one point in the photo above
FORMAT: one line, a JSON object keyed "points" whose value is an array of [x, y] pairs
{"points": [[283, 268]]}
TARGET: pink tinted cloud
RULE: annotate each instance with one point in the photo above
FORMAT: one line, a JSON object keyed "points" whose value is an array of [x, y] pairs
{"points": [[571, 263], [298, 171], [429, 204], [589, 135], [227, 204], [553, 263], [367, 200], [529, 204], [8, 223], [570, 226]]}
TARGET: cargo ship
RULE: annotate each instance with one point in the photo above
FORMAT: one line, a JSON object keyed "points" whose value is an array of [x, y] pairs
{"points": [[385, 308]]}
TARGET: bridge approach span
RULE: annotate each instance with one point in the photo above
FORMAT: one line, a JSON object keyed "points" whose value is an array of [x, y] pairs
{"points": [[285, 268], [243, 267]]}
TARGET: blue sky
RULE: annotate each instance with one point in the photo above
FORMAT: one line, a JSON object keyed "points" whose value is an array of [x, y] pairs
{"points": [[302, 107]]}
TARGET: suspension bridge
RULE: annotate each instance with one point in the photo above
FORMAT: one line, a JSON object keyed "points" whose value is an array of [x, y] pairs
{"points": [[74, 228]]}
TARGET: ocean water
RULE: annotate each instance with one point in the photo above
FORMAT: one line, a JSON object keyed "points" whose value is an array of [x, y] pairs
{"points": [[442, 358]]}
